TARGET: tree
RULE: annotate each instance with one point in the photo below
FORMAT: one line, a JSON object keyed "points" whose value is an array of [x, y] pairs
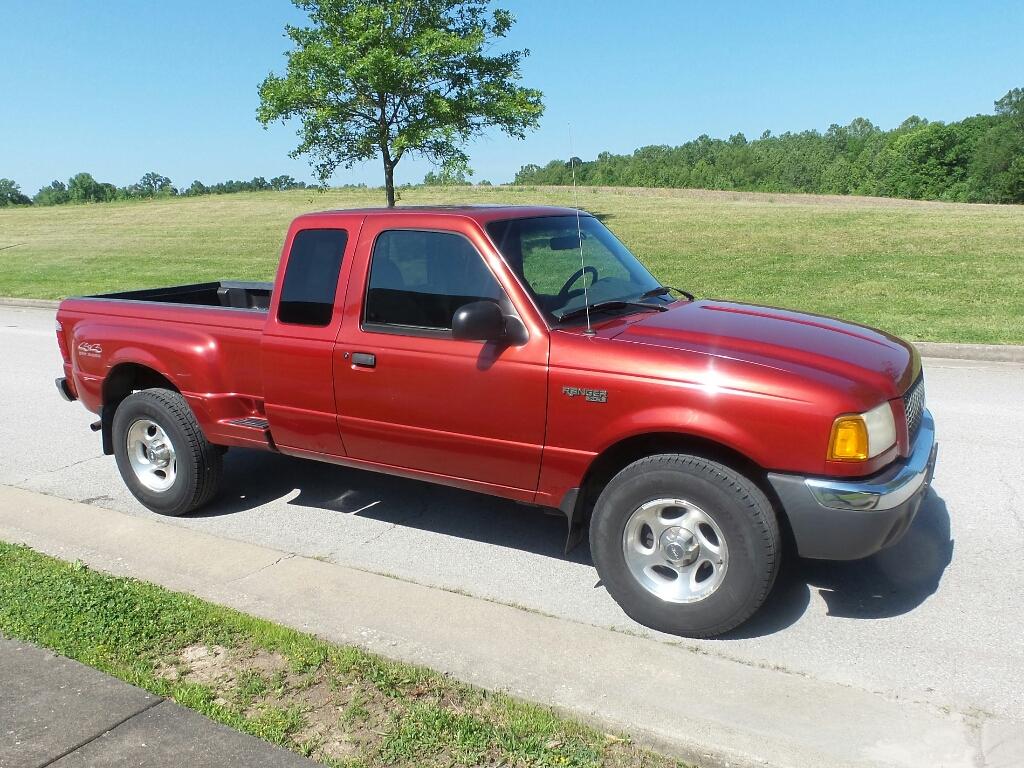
{"points": [[284, 182], [152, 185], [390, 78], [998, 162], [197, 188], [55, 193], [1012, 106], [83, 188], [10, 194]]}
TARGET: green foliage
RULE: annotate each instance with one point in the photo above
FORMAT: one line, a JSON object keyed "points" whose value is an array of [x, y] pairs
{"points": [[10, 194], [152, 185], [258, 184], [979, 159], [451, 174], [55, 193], [369, 79], [83, 188]]}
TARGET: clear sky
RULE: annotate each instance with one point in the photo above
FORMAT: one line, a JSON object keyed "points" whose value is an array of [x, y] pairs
{"points": [[122, 87]]}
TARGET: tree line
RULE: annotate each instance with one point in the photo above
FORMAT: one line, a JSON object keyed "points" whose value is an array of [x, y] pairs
{"points": [[83, 188], [978, 159]]}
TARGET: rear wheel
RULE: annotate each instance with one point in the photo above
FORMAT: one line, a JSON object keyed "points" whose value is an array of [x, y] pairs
{"points": [[685, 545], [162, 455]]}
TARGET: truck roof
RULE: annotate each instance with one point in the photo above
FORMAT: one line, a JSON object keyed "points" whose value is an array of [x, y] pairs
{"points": [[478, 212]]}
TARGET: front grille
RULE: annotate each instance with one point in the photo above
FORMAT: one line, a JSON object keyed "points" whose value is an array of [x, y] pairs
{"points": [[913, 406]]}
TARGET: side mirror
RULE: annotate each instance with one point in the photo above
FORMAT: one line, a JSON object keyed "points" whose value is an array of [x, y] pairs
{"points": [[479, 321]]}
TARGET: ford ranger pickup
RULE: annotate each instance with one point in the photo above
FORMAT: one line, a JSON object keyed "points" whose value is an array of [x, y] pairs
{"points": [[524, 352]]}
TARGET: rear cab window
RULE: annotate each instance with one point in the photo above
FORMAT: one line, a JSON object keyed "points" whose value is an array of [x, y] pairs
{"points": [[310, 285]]}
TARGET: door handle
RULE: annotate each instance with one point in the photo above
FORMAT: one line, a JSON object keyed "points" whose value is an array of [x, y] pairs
{"points": [[364, 359]]}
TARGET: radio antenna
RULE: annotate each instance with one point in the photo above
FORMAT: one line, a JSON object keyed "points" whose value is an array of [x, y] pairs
{"points": [[579, 231]]}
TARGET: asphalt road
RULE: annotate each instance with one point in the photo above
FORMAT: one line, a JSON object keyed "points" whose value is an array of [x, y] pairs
{"points": [[936, 619]]}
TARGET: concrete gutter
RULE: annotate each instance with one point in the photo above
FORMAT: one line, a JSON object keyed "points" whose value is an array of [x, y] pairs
{"points": [[35, 303], [1006, 353], [702, 708], [1003, 353]]}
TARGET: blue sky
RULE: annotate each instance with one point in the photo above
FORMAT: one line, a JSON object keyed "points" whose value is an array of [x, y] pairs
{"points": [[119, 88]]}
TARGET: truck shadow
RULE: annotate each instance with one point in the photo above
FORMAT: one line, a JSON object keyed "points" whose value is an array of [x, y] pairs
{"points": [[255, 478], [893, 582]]}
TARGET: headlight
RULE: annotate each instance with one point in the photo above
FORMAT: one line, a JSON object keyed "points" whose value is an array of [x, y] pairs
{"points": [[862, 436]]}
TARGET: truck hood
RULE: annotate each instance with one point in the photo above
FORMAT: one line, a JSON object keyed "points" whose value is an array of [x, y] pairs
{"points": [[781, 338]]}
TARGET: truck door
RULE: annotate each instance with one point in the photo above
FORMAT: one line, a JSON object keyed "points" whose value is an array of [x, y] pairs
{"points": [[411, 396], [298, 341]]}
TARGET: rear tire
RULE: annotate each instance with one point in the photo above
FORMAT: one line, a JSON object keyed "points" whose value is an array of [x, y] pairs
{"points": [[163, 456], [685, 545]]}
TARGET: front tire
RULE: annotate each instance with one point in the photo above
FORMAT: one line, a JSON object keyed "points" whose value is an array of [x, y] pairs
{"points": [[163, 456], [685, 545]]}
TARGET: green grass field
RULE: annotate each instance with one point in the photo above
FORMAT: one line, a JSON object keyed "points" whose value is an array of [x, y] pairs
{"points": [[926, 271]]}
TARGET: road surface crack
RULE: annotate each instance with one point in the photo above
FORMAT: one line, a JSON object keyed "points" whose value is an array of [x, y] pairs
{"points": [[44, 473], [1011, 504], [403, 521], [281, 559]]}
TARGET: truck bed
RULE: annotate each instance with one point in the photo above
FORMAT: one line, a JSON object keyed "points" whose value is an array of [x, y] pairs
{"points": [[229, 294], [204, 338]]}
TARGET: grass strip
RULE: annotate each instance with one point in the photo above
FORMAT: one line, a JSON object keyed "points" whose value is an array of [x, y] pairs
{"points": [[335, 704]]}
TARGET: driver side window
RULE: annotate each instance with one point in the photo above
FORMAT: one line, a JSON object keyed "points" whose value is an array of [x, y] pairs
{"points": [[420, 278]]}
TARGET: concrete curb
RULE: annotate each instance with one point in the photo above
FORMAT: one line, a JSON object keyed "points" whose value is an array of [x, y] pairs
{"points": [[727, 714], [1004, 353], [34, 303]]}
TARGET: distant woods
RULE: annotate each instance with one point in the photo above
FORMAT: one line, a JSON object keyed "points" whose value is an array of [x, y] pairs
{"points": [[978, 159], [83, 188]]}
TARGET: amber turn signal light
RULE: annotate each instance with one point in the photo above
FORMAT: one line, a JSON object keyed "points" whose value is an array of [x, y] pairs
{"points": [[862, 436], [849, 441]]}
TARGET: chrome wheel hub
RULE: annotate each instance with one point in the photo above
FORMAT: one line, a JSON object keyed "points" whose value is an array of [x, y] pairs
{"points": [[680, 546], [151, 455], [675, 550]]}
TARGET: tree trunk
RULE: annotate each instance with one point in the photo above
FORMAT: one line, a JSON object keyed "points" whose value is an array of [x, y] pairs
{"points": [[389, 177], [389, 184]]}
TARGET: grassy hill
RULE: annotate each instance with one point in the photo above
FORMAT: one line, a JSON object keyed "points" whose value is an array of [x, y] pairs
{"points": [[927, 271]]}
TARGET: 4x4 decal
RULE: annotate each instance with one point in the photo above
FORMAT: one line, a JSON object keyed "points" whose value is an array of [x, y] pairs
{"points": [[85, 349]]}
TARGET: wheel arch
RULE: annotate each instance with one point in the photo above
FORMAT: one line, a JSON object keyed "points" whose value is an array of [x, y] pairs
{"points": [[123, 379], [579, 502]]}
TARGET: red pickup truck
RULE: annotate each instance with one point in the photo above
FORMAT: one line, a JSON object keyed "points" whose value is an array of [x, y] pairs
{"points": [[524, 352]]}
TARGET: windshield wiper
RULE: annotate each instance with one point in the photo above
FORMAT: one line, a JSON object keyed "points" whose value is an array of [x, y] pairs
{"points": [[661, 290], [606, 305]]}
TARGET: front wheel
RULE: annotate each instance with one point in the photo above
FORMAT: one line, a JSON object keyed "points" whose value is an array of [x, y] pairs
{"points": [[685, 545], [162, 454]]}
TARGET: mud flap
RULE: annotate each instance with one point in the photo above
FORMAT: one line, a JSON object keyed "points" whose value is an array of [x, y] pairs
{"points": [[575, 518]]}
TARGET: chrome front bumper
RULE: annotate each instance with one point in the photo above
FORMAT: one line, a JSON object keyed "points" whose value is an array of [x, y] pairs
{"points": [[835, 519]]}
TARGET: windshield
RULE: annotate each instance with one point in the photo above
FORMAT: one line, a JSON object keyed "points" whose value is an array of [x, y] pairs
{"points": [[545, 253]]}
